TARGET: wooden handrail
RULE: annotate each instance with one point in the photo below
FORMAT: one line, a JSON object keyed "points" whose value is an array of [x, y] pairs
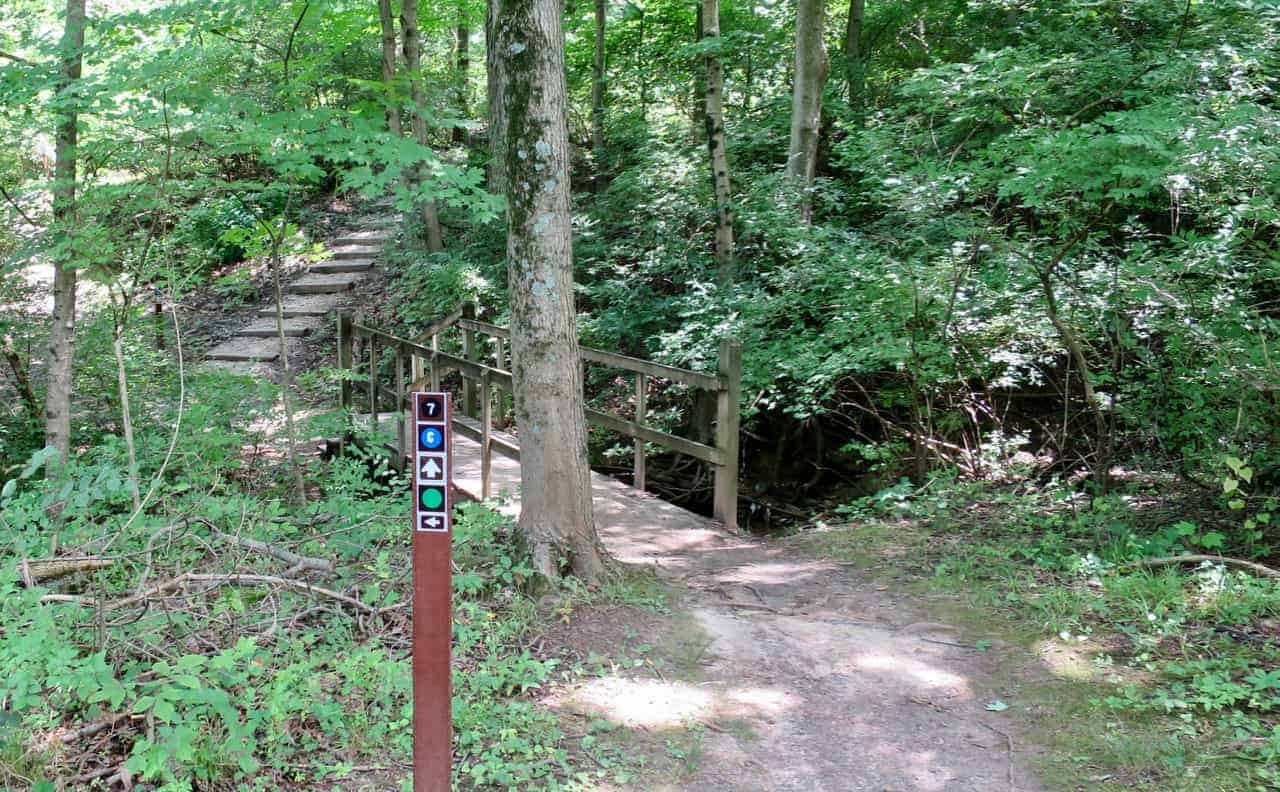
{"points": [[479, 379], [635, 365]]}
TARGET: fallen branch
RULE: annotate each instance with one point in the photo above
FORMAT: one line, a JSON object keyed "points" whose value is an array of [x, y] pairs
{"points": [[296, 562], [88, 730], [34, 571], [1200, 559], [234, 580]]}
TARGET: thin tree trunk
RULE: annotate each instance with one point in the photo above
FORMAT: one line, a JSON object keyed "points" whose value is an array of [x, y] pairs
{"points": [[122, 385], [854, 72], [413, 63], [389, 48], [497, 113], [556, 513], [1102, 462], [57, 403], [806, 99], [714, 116], [462, 65], [286, 384], [597, 88], [21, 377]]}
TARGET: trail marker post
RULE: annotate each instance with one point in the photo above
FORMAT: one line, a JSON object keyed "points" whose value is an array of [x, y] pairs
{"points": [[432, 604]]}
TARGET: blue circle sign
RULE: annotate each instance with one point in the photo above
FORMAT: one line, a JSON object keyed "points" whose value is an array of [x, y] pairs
{"points": [[431, 438]]}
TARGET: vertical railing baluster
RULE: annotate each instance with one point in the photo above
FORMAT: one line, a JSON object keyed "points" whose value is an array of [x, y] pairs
{"points": [[638, 474], [486, 432], [402, 447], [373, 382]]}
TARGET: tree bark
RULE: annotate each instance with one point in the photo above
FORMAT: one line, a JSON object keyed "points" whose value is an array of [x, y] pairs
{"points": [[462, 65], [714, 116], [413, 63], [854, 73], [806, 99], [57, 403], [556, 515], [597, 88], [497, 113], [389, 65]]}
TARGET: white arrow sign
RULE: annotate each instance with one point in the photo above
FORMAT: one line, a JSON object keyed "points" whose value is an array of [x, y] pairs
{"points": [[434, 523], [432, 469]]}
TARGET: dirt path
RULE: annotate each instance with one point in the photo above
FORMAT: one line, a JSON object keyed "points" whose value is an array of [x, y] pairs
{"points": [[806, 674]]}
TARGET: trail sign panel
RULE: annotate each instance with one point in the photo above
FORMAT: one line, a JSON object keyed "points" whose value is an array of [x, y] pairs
{"points": [[432, 618]]}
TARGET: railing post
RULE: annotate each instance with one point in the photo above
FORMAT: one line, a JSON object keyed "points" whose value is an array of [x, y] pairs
{"points": [[402, 448], [435, 370], [501, 362], [373, 383], [728, 397], [344, 359], [638, 475], [468, 353], [486, 441]]}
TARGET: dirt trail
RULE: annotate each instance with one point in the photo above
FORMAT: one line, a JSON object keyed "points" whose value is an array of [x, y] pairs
{"points": [[810, 676], [840, 685]]}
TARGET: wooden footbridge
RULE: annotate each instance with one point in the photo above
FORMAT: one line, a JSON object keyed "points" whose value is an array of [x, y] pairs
{"points": [[472, 358]]}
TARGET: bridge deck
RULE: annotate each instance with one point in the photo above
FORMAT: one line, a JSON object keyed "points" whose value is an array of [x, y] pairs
{"points": [[636, 527]]}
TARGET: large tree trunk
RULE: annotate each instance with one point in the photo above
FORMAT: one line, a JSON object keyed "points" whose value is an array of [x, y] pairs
{"points": [[853, 68], [556, 514], [57, 405], [714, 115], [462, 65], [497, 113], [389, 65], [597, 88], [806, 99], [413, 63]]}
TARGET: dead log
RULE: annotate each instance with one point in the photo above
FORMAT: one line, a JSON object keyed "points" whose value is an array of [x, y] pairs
{"points": [[37, 570]]}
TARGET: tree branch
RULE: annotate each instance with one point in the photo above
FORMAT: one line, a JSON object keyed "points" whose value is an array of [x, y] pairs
{"points": [[1199, 559]]}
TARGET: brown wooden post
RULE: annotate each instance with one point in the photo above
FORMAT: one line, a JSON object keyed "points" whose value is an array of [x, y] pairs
{"points": [[638, 476], [728, 396], [344, 359], [486, 437]]}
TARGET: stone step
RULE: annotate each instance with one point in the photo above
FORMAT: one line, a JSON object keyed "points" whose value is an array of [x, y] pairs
{"points": [[266, 327], [309, 305], [324, 284], [342, 265], [368, 237], [240, 348], [355, 252]]}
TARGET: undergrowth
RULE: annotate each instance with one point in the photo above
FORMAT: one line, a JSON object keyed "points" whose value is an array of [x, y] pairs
{"points": [[173, 666]]}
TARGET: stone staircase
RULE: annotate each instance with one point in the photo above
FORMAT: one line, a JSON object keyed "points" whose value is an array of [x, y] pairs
{"points": [[308, 300]]}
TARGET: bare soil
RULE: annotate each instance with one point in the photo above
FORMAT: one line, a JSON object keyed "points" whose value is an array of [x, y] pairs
{"points": [[802, 674]]}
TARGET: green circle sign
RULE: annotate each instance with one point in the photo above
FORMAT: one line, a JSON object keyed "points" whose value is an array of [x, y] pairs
{"points": [[432, 498]]}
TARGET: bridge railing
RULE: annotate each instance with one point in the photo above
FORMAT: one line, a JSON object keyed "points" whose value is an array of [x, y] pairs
{"points": [[481, 356]]}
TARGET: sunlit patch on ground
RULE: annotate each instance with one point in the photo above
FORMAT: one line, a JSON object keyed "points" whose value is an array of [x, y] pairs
{"points": [[658, 704]]}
